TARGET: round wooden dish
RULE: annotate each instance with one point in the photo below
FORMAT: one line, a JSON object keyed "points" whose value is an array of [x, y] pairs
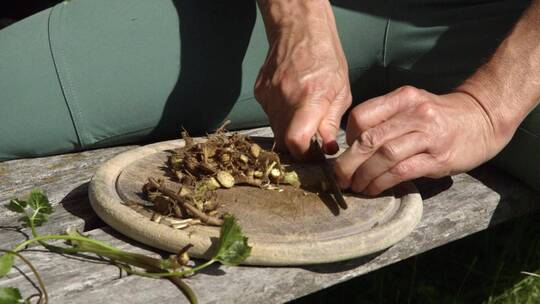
{"points": [[292, 227]]}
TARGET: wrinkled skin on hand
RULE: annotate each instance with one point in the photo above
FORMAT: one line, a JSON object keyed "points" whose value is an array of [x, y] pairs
{"points": [[303, 85], [410, 133]]}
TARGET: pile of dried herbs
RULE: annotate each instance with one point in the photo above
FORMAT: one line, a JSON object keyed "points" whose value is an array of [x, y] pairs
{"points": [[223, 160]]}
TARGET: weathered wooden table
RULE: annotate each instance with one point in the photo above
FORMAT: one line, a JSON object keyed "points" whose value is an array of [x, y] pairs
{"points": [[453, 208]]}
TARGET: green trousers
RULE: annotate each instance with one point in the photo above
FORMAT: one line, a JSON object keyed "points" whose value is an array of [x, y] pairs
{"points": [[95, 73]]}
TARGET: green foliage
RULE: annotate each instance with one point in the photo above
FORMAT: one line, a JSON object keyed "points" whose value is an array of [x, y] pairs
{"points": [[39, 201], [232, 247], [10, 295], [6, 262], [16, 205], [35, 209]]}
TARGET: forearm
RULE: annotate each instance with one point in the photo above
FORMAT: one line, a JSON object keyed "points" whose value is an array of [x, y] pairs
{"points": [[303, 85], [508, 85], [292, 16]]}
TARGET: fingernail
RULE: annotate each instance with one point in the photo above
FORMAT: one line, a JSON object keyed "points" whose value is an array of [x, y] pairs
{"points": [[331, 148]]}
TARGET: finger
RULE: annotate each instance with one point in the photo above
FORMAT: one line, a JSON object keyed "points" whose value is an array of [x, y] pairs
{"points": [[370, 141], [330, 125], [386, 157], [376, 110], [304, 123], [414, 167], [277, 123]]}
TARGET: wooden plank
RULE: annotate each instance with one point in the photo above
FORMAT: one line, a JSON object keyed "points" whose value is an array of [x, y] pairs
{"points": [[58, 175], [454, 208], [65, 179]]}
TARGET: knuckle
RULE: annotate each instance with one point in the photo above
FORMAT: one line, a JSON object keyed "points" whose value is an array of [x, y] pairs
{"points": [[295, 143], [343, 179], [402, 170], [371, 138], [309, 88], [282, 86], [374, 189], [427, 111], [389, 151], [348, 99], [345, 97], [443, 159], [409, 92], [291, 140], [355, 118], [359, 182]]}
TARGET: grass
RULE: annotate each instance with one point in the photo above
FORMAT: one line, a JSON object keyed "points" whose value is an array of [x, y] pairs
{"points": [[483, 268]]}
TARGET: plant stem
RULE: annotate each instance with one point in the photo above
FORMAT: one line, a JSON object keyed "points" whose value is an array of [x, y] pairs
{"points": [[113, 253], [203, 265], [172, 273], [532, 274], [42, 291], [185, 289], [174, 277], [67, 238]]}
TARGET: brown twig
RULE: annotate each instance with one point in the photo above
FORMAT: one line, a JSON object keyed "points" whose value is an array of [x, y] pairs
{"points": [[207, 219]]}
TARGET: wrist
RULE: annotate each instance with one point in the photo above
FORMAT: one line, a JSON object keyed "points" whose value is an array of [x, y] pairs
{"points": [[489, 95], [282, 17]]}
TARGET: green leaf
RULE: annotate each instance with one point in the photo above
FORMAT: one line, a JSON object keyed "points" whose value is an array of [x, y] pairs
{"points": [[9, 295], [6, 262], [232, 247], [39, 219], [39, 200], [16, 205]]}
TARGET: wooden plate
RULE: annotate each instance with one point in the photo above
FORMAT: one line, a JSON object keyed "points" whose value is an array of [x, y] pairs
{"points": [[301, 227]]}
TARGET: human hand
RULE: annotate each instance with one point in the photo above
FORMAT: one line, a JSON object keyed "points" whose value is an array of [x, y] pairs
{"points": [[303, 85], [410, 133]]}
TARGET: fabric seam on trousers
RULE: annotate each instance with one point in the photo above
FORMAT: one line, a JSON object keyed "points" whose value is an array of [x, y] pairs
{"points": [[63, 73], [386, 29], [97, 143], [428, 74], [536, 136]]}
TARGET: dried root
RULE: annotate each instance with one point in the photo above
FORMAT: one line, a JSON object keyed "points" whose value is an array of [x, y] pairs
{"points": [[222, 161]]}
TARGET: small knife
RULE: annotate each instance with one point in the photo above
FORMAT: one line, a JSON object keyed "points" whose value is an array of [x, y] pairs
{"points": [[317, 151]]}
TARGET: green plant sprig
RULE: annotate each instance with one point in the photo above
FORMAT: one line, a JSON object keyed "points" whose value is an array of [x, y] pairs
{"points": [[232, 249]]}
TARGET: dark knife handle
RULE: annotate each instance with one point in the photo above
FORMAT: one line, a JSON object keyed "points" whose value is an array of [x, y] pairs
{"points": [[328, 172]]}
